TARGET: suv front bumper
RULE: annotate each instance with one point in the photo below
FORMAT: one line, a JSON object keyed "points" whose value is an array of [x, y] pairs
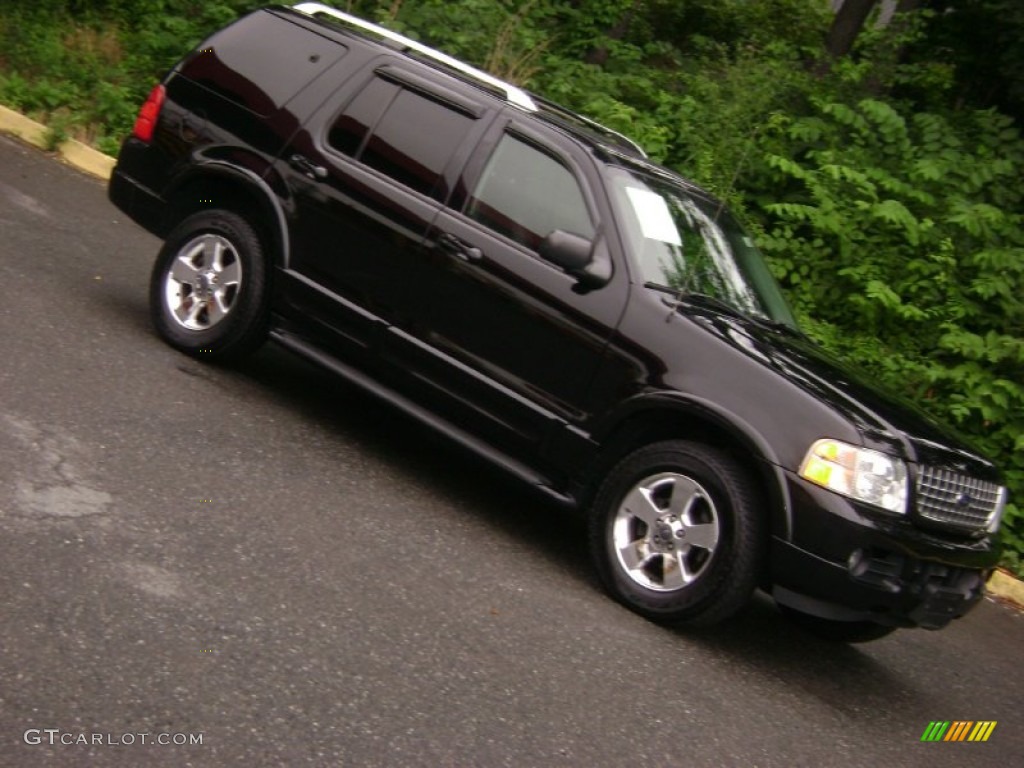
{"points": [[846, 562]]}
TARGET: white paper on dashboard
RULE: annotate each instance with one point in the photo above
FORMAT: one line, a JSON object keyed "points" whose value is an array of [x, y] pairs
{"points": [[655, 218]]}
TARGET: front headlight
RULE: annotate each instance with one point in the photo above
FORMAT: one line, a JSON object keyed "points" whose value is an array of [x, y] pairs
{"points": [[860, 473]]}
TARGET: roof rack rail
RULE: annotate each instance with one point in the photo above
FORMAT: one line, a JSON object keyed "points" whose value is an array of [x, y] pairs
{"points": [[513, 95], [603, 130]]}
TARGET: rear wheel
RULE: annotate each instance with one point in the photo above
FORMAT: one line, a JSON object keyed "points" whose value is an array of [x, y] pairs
{"points": [[676, 535], [208, 290]]}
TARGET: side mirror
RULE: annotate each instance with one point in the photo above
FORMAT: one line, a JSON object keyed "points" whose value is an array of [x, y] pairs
{"points": [[586, 260]]}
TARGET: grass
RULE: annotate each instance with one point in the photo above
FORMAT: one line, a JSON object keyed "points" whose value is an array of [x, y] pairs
{"points": [[85, 73]]}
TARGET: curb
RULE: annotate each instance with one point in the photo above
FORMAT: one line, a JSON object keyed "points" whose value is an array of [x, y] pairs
{"points": [[94, 162], [72, 152], [1006, 587]]}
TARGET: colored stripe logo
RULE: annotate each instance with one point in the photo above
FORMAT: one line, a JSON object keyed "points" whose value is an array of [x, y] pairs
{"points": [[958, 730]]}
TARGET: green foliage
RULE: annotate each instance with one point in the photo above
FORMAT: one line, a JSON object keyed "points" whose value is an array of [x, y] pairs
{"points": [[980, 42], [57, 133], [734, 25], [724, 110]]}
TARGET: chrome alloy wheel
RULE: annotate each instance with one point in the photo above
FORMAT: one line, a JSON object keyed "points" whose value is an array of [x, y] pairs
{"points": [[665, 532], [203, 283]]}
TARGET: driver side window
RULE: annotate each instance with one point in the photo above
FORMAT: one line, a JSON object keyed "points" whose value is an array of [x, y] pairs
{"points": [[526, 194]]}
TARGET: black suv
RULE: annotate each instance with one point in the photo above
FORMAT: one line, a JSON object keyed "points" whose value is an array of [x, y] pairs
{"points": [[525, 281]]}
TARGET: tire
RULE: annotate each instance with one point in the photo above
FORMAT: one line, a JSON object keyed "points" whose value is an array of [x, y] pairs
{"points": [[676, 535], [837, 631], [208, 293]]}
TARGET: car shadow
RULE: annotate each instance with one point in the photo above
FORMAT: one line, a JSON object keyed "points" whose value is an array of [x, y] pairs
{"points": [[420, 453], [759, 640]]}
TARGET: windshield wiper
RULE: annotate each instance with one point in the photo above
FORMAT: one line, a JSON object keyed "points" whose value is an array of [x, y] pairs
{"points": [[681, 296], [776, 325]]}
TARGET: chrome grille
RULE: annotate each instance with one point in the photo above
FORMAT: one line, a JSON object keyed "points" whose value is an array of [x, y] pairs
{"points": [[957, 500]]}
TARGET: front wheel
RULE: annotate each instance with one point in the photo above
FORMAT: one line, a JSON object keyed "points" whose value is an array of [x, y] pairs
{"points": [[676, 535], [208, 290]]}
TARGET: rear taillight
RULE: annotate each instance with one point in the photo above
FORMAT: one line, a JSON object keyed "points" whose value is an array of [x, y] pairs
{"points": [[145, 123]]}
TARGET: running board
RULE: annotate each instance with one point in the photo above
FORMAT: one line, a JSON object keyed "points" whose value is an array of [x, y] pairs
{"points": [[368, 384]]}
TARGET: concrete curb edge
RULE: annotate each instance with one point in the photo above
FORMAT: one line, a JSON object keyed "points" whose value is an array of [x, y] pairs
{"points": [[1004, 586], [73, 152]]}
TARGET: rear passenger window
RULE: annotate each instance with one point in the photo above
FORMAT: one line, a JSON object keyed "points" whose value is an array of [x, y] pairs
{"points": [[400, 132], [526, 194], [360, 116]]}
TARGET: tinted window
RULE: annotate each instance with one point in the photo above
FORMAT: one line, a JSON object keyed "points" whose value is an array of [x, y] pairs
{"points": [[412, 141], [692, 245], [238, 64], [526, 194], [360, 115]]}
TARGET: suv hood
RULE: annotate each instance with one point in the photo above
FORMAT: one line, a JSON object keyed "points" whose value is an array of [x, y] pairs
{"points": [[885, 421]]}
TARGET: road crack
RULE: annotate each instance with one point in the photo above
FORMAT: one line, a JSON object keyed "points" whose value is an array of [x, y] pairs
{"points": [[47, 483]]}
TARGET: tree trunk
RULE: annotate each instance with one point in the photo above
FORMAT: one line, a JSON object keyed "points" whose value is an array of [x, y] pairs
{"points": [[847, 25]]}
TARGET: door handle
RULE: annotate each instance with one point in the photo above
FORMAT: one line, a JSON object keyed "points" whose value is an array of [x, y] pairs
{"points": [[456, 247], [306, 166]]}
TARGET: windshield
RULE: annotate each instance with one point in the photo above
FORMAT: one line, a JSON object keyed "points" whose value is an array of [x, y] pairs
{"points": [[694, 246]]}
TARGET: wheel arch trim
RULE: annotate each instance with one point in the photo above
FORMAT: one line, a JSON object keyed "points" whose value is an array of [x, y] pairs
{"points": [[738, 432], [253, 183]]}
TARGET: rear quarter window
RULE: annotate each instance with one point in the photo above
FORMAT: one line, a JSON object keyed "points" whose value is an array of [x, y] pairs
{"points": [[261, 61]]}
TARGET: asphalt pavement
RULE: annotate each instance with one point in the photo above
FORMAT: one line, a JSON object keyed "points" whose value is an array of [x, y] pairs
{"points": [[258, 566]]}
